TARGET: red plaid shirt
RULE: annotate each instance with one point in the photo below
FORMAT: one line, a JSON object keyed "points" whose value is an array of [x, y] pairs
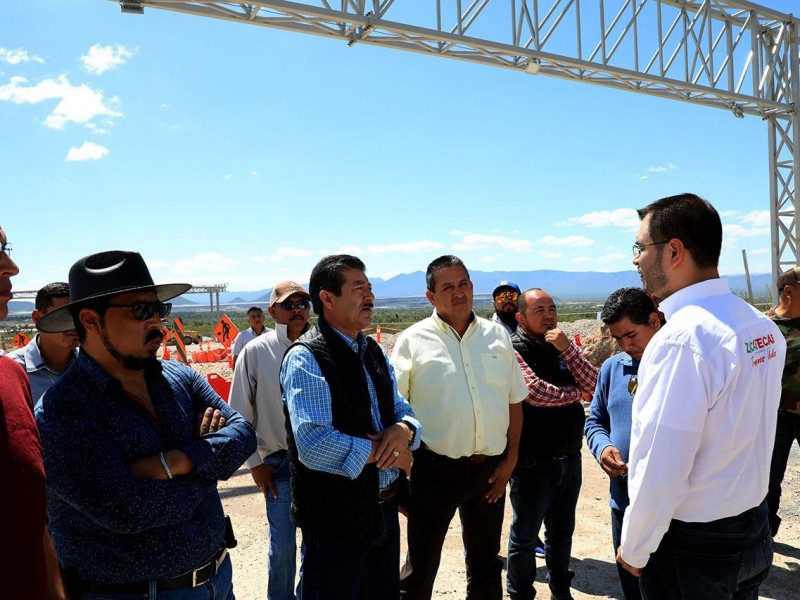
{"points": [[543, 394]]}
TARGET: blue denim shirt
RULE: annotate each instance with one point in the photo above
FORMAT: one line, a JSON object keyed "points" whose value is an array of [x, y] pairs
{"points": [[108, 525], [308, 398]]}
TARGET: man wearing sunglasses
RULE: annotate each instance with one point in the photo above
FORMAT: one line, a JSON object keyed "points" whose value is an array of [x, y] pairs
{"points": [[632, 320], [703, 420], [133, 446], [504, 299], [256, 394]]}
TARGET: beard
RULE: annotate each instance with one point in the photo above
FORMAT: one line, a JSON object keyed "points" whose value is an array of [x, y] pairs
{"points": [[509, 318], [655, 279], [130, 361]]}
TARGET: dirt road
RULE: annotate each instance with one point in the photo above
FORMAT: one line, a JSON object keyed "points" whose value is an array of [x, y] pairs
{"points": [[592, 556]]}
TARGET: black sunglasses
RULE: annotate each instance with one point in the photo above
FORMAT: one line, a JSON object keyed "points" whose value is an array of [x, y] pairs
{"points": [[145, 310], [291, 305]]}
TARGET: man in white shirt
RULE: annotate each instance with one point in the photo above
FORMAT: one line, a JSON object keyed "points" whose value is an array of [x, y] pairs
{"points": [[256, 394], [255, 316], [460, 375], [703, 418]]}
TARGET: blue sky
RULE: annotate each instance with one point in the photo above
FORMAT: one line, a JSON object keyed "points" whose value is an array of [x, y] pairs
{"points": [[228, 153]]}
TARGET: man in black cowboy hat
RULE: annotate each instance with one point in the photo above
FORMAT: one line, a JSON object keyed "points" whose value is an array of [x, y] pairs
{"points": [[134, 446]]}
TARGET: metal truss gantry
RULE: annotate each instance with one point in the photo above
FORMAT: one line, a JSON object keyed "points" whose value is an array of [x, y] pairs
{"points": [[729, 54]]}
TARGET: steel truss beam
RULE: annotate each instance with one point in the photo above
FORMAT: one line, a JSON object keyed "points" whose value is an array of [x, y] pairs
{"points": [[729, 54]]}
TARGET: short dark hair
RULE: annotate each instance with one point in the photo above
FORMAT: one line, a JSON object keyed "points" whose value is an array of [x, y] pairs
{"points": [[46, 295], [328, 274], [630, 302], [99, 306], [690, 219], [253, 309], [522, 302], [437, 264]]}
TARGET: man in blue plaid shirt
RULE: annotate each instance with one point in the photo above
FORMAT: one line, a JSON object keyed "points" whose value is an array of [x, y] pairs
{"points": [[349, 434]]}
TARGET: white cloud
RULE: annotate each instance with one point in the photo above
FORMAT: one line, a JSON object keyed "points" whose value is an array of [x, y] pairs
{"points": [[88, 151], [15, 57], [165, 105], [733, 231], [642, 177], [100, 59], [582, 259], [253, 173], [478, 241], [570, 240], [620, 217], [490, 258], [404, 247], [282, 254], [757, 218], [758, 251], [349, 249], [227, 176], [204, 265], [552, 255], [669, 167], [77, 103], [612, 257]]}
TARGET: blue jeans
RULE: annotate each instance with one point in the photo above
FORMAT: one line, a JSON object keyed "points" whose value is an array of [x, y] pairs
{"points": [[336, 567], [629, 582], [786, 432], [543, 490], [720, 560], [219, 587], [281, 559]]}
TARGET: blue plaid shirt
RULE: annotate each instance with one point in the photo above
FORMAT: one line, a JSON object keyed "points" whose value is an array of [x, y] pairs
{"points": [[308, 397], [108, 525]]}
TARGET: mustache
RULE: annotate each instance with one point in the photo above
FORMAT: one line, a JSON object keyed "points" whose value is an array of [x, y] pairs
{"points": [[154, 335]]}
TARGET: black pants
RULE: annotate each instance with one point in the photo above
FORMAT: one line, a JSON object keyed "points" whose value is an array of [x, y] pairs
{"points": [[440, 486]]}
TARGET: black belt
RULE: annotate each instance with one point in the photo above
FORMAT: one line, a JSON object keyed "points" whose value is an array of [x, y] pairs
{"points": [[194, 578]]}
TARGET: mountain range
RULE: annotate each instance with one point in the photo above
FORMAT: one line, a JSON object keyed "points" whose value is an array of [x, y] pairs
{"points": [[567, 285]]}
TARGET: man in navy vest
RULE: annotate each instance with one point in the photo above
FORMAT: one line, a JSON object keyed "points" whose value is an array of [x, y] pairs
{"points": [[349, 435]]}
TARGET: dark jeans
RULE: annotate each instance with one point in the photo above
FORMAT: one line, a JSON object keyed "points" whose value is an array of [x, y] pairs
{"points": [[337, 568], [543, 490], [786, 432], [720, 560], [440, 486], [630, 583]]}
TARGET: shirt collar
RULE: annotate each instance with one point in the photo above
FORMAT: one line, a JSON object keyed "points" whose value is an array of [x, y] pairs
{"points": [[629, 366], [440, 324], [100, 376], [281, 330], [359, 344], [690, 294]]}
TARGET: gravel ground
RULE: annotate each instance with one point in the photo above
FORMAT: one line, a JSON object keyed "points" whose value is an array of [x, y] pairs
{"points": [[592, 556]]}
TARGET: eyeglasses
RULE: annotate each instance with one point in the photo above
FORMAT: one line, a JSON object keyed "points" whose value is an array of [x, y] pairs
{"points": [[633, 384], [145, 310], [6, 249], [637, 247], [292, 304], [506, 297]]}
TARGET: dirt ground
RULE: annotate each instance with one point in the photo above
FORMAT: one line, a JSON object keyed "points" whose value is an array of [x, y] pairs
{"points": [[592, 558]]}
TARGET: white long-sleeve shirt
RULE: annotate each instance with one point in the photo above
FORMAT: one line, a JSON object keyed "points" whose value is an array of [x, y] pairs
{"points": [[703, 415], [256, 391]]}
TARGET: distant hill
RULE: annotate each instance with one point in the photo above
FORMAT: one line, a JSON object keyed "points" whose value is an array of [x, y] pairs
{"points": [[569, 285]]}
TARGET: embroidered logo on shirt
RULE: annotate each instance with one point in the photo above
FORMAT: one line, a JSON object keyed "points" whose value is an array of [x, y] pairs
{"points": [[760, 344]]}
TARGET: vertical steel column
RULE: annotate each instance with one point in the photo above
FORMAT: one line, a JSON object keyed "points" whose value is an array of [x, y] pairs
{"points": [[784, 154]]}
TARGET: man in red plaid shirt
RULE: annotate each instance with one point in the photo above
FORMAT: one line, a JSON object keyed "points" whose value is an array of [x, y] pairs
{"points": [[547, 479]]}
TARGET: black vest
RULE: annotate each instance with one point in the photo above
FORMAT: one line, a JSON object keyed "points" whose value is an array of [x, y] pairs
{"points": [[548, 432], [331, 503]]}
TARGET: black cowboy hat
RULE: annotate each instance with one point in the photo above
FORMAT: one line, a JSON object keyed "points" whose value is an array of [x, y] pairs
{"points": [[103, 275]]}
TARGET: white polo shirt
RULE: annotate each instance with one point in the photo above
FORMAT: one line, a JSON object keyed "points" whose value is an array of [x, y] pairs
{"points": [[459, 387], [703, 416], [244, 338]]}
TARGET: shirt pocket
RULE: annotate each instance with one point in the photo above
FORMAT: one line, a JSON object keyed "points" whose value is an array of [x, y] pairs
{"points": [[495, 369]]}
